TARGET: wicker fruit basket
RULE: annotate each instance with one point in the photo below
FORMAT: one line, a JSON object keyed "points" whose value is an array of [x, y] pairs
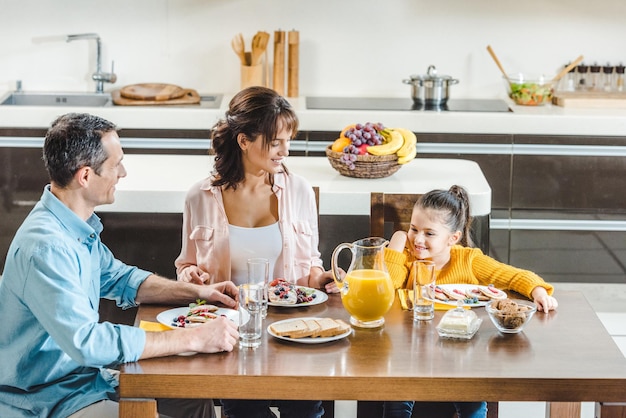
{"points": [[365, 166]]}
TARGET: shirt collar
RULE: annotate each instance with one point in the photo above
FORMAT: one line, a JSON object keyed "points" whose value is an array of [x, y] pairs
{"points": [[83, 231]]}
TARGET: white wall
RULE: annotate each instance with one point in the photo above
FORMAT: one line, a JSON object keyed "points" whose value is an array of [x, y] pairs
{"points": [[350, 47]]}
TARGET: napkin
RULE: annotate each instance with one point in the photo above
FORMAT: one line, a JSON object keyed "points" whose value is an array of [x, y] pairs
{"points": [[153, 326]]}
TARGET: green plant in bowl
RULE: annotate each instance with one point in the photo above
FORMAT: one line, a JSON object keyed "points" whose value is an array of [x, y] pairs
{"points": [[529, 92]]}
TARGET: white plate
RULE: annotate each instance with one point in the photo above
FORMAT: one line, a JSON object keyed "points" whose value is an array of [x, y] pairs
{"points": [[167, 317], [463, 288], [308, 340], [320, 297]]}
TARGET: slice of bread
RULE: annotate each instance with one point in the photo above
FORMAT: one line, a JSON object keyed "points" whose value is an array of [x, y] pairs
{"points": [[314, 328], [343, 326], [310, 327], [296, 328], [329, 327]]}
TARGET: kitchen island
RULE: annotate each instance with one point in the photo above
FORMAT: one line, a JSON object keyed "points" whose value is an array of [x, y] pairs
{"points": [[552, 170]]}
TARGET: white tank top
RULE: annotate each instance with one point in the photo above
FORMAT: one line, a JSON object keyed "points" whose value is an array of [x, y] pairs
{"points": [[245, 243]]}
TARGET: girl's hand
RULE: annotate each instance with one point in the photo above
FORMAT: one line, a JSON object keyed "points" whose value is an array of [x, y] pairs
{"points": [[545, 302], [398, 241], [320, 279]]}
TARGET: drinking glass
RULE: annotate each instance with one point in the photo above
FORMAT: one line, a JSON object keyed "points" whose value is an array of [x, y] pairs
{"points": [[250, 315], [258, 274], [423, 273]]}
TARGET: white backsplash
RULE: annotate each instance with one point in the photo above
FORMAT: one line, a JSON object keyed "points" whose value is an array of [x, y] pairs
{"points": [[350, 47]]}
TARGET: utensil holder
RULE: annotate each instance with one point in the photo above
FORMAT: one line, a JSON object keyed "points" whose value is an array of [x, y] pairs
{"points": [[252, 75]]}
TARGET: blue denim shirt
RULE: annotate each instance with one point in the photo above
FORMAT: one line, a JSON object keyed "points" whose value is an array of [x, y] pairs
{"points": [[53, 349]]}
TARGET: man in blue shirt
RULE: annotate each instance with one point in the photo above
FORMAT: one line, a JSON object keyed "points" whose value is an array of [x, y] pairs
{"points": [[54, 352]]}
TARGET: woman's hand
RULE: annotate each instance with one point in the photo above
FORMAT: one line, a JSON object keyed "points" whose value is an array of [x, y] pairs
{"points": [[193, 274], [544, 302]]}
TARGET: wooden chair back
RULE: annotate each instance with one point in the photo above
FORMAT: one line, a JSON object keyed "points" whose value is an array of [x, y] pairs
{"points": [[390, 208]]}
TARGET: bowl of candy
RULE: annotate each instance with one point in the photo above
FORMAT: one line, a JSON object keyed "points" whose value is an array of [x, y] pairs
{"points": [[510, 316], [529, 90]]}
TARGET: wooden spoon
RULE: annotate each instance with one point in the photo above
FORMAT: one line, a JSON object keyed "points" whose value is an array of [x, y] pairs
{"points": [[259, 45], [567, 69], [493, 55], [239, 47]]}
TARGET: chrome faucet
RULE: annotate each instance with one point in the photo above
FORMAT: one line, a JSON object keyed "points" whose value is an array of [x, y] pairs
{"points": [[99, 77]]}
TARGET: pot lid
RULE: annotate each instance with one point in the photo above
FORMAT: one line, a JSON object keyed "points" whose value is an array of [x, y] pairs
{"points": [[431, 74]]}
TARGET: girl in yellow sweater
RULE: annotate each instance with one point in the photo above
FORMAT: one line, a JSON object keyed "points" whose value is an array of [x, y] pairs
{"points": [[440, 231]]}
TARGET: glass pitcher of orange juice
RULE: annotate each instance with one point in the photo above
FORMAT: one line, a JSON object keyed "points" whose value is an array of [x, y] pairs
{"points": [[366, 290]]}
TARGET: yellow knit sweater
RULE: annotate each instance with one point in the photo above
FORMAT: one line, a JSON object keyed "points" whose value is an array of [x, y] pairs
{"points": [[468, 266]]}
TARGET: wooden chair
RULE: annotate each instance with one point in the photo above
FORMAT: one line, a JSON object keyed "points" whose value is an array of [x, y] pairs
{"points": [[390, 208], [396, 209]]}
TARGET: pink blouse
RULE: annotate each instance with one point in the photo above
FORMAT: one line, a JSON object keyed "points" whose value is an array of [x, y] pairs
{"points": [[205, 230]]}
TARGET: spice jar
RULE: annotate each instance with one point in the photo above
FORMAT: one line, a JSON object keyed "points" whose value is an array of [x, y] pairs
{"points": [[594, 82], [619, 77], [582, 77], [607, 79]]}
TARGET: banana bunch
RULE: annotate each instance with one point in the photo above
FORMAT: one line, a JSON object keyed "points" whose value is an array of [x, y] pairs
{"points": [[398, 141]]}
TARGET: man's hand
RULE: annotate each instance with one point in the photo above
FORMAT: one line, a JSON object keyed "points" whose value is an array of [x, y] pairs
{"points": [[224, 293], [215, 336]]}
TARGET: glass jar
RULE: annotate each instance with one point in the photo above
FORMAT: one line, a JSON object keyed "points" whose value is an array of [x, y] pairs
{"points": [[619, 77], [594, 82], [607, 78], [582, 84]]}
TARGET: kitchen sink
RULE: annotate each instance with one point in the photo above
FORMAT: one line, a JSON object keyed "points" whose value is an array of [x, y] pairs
{"points": [[208, 101], [56, 99]]}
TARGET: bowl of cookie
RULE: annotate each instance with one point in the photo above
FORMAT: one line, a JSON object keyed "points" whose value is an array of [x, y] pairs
{"points": [[510, 316]]}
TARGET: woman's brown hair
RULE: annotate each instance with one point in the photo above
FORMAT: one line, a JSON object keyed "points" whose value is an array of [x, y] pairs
{"points": [[256, 112]]}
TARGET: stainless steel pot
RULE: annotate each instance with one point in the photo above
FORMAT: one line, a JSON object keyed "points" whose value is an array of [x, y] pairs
{"points": [[430, 89]]}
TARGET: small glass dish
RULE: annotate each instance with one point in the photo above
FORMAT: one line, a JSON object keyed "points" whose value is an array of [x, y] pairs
{"points": [[513, 318], [459, 323]]}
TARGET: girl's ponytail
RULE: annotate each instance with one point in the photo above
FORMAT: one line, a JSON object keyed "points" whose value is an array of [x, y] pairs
{"points": [[466, 219]]}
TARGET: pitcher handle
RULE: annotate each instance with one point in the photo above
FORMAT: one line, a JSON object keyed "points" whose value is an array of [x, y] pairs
{"points": [[334, 267]]}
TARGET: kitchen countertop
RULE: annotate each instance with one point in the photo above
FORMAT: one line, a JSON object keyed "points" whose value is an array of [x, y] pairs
{"points": [[159, 183], [543, 120]]}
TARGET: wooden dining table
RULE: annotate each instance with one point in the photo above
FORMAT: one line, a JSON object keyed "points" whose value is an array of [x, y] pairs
{"points": [[562, 356]]}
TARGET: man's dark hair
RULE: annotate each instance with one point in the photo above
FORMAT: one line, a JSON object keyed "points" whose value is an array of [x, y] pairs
{"points": [[72, 142]]}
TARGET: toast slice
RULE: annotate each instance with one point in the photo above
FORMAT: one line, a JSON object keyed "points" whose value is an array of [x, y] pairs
{"points": [[292, 329], [329, 327], [343, 326], [314, 328]]}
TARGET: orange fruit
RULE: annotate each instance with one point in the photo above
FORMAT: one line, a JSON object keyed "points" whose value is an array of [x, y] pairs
{"points": [[340, 144], [343, 131]]}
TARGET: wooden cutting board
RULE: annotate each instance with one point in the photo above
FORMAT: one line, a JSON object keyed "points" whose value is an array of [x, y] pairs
{"points": [[152, 91], [189, 97], [590, 100]]}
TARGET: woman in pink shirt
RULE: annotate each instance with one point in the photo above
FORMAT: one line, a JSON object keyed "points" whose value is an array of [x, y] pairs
{"points": [[252, 206], [251, 189]]}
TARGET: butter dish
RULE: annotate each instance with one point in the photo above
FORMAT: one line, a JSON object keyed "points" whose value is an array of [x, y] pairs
{"points": [[459, 323]]}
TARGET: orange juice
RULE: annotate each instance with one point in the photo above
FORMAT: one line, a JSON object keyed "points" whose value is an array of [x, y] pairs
{"points": [[370, 294]]}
